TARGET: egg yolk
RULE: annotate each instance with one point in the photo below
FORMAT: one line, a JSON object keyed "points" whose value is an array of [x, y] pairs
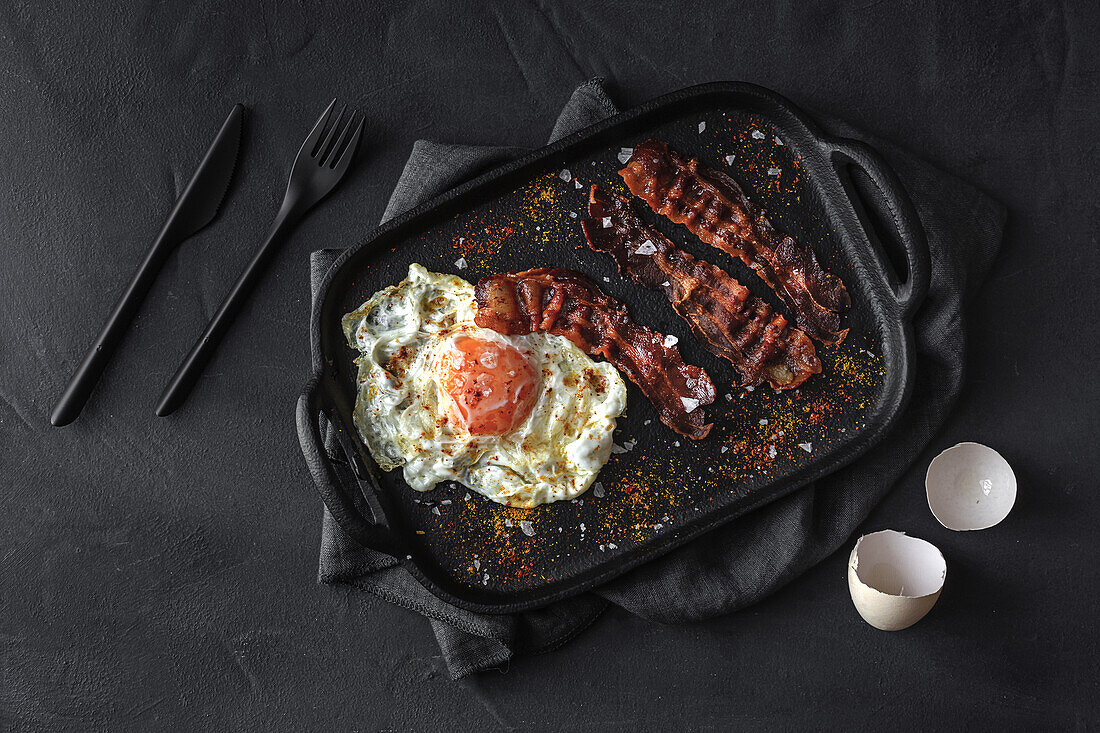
{"points": [[491, 386]]}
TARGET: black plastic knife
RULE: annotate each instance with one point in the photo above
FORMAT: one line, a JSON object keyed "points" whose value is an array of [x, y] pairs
{"points": [[196, 207]]}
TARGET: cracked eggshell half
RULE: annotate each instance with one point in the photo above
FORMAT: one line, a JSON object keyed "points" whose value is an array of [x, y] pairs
{"points": [[970, 486], [894, 579]]}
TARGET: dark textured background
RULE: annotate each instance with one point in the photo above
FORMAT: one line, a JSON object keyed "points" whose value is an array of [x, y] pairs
{"points": [[160, 574]]}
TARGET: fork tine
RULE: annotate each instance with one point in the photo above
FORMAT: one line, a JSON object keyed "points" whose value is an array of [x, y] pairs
{"points": [[347, 152], [331, 136], [341, 145], [310, 145]]}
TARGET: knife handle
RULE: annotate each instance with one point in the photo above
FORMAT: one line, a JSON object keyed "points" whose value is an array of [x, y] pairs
{"points": [[191, 368], [87, 375]]}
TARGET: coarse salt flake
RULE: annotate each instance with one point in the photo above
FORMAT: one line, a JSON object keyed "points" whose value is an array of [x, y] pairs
{"points": [[624, 154], [702, 126], [606, 222], [507, 522], [597, 491], [647, 248], [565, 175], [757, 135], [617, 449], [572, 215], [690, 403], [778, 141], [725, 448], [730, 159], [527, 528], [576, 184], [808, 447], [671, 341], [774, 171], [460, 263]]}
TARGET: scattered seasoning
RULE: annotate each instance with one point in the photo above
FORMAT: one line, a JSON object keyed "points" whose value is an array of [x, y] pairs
{"points": [[651, 480]]}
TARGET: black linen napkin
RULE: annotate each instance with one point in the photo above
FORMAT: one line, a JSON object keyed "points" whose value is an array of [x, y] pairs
{"points": [[754, 555]]}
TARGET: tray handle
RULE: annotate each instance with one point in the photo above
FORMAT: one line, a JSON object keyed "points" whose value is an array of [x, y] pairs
{"points": [[908, 230], [333, 489]]}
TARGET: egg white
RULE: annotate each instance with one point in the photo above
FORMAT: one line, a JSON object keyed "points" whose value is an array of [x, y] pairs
{"points": [[554, 454]]}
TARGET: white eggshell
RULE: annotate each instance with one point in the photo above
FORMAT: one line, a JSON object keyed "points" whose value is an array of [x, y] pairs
{"points": [[970, 487], [894, 579]]}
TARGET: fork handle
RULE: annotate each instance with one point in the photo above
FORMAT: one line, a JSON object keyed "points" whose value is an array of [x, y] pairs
{"points": [[191, 368]]}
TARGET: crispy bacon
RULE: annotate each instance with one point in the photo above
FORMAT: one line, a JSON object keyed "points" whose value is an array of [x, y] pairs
{"points": [[714, 208], [724, 316], [566, 303]]}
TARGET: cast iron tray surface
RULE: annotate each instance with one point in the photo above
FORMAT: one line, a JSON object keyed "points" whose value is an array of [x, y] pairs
{"points": [[661, 490]]}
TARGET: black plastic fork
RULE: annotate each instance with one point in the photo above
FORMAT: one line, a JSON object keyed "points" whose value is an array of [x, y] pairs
{"points": [[321, 163]]}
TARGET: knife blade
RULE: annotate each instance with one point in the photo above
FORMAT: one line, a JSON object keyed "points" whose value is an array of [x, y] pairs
{"points": [[196, 207]]}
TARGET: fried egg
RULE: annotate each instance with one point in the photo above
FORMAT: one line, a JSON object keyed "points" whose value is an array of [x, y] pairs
{"points": [[524, 420]]}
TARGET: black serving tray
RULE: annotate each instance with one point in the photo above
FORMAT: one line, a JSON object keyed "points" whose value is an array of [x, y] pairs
{"points": [[665, 490]]}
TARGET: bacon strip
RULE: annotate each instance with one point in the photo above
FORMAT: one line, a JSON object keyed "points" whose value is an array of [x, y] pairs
{"points": [[566, 303], [724, 316], [714, 208]]}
